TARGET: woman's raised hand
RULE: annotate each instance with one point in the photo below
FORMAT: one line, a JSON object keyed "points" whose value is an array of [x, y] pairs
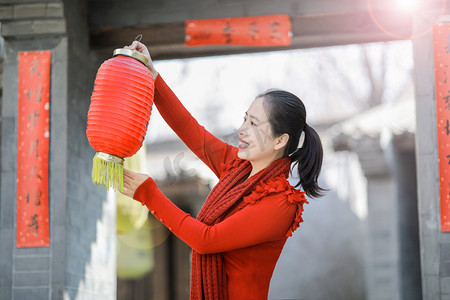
{"points": [[131, 181], [141, 48]]}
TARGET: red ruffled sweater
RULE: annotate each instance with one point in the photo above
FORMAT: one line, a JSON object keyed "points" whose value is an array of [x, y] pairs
{"points": [[253, 234]]}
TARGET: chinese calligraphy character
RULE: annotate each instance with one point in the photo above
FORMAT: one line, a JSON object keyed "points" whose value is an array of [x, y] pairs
{"points": [[33, 172], [34, 93], [34, 118], [447, 128], [227, 32], [445, 73], [204, 34], [37, 195], [33, 69], [447, 101], [275, 35], [446, 98], [37, 93], [28, 93], [254, 30], [34, 147], [34, 225], [448, 157]]}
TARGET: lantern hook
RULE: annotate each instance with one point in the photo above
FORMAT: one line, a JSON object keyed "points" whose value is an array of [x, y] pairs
{"points": [[138, 38]]}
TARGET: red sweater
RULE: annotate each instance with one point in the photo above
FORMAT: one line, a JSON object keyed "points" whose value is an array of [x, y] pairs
{"points": [[251, 237]]}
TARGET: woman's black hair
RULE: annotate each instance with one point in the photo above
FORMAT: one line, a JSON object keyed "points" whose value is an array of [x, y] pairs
{"points": [[287, 114]]}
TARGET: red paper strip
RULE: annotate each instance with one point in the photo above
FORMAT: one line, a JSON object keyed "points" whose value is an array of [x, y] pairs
{"points": [[441, 43], [272, 30], [32, 149]]}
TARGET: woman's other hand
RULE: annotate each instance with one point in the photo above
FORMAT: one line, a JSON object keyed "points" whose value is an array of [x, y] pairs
{"points": [[131, 181], [141, 48]]}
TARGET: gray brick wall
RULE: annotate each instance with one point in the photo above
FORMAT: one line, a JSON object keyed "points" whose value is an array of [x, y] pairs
{"points": [[405, 176], [80, 262], [90, 225], [433, 242], [383, 246], [28, 19], [8, 175], [392, 258]]}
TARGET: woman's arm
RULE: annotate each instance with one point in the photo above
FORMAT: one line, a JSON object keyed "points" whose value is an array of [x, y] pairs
{"points": [[268, 220], [211, 150]]}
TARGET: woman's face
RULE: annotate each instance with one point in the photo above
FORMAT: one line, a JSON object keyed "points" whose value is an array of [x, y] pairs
{"points": [[256, 141]]}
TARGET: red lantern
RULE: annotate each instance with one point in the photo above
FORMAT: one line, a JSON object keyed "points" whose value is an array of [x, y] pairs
{"points": [[118, 115]]}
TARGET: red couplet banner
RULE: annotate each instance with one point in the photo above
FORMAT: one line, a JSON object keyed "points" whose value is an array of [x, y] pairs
{"points": [[32, 149], [274, 30], [441, 44]]}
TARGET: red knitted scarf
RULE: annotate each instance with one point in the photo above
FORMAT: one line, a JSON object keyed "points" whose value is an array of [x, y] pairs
{"points": [[208, 278]]}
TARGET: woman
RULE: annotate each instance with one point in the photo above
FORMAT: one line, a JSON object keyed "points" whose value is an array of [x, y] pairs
{"points": [[242, 227]]}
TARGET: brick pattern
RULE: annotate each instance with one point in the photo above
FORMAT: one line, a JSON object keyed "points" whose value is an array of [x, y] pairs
{"points": [[80, 262], [32, 19], [32, 11], [90, 216], [392, 261], [31, 273], [435, 273], [383, 260], [8, 175]]}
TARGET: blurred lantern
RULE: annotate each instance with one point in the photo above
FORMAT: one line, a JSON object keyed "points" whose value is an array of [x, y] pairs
{"points": [[118, 116], [135, 256], [131, 215]]}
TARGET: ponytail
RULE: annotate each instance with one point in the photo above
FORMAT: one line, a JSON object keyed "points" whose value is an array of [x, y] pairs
{"points": [[308, 160], [287, 114]]}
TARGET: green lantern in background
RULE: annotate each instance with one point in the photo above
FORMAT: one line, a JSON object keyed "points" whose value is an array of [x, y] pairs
{"points": [[131, 215], [135, 256]]}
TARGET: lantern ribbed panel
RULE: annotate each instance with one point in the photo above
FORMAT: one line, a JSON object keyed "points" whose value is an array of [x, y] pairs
{"points": [[120, 106], [118, 116]]}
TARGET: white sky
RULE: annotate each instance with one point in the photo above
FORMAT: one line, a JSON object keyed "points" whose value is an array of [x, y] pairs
{"points": [[331, 82]]}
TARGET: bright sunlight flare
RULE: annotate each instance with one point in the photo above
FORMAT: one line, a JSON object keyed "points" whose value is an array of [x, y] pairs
{"points": [[408, 5]]}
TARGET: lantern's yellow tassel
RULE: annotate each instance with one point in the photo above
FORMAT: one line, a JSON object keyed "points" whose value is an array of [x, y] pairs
{"points": [[107, 173]]}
